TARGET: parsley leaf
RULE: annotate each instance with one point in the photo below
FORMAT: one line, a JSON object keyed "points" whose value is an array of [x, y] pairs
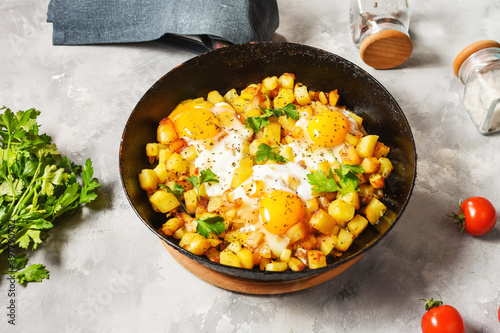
{"points": [[38, 187], [210, 224], [348, 180], [321, 182], [205, 176], [177, 191], [258, 122], [265, 152]]}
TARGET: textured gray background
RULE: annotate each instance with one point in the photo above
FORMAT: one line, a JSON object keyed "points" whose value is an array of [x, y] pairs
{"points": [[109, 273]]}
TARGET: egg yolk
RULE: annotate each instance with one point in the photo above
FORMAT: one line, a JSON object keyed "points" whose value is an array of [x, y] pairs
{"points": [[195, 123], [328, 128], [279, 210]]}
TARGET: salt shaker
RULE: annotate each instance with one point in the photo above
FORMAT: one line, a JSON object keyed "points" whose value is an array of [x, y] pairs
{"points": [[478, 67], [379, 29]]}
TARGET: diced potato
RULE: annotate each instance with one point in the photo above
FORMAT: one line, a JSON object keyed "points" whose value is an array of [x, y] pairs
{"points": [[319, 108], [286, 254], [352, 138], [189, 154], [333, 97], [249, 92], [215, 97], [214, 203], [296, 232], [191, 200], [166, 132], [341, 211], [296, 264], [246, 258], [312, 205], [272, 134], [236, 236], [171, 226], [351, 198], [349, 155], [285, 96], [270, 83], [370, 164], [301, 95], [230, 95], [356, 118], [234, 246], [179, 233], [375, 210], [254, 238], [287, 123], [213, 254], [164, 155], [178, 145], [322, 98], [386, 167], [366, 146], [381, 150], [344, 240], [177, 164], [263, 263], [276, 266], [327, 244], [376, 180], [229, 258], [316, 259], [322, 222], [242, 172], [194, 243], [164, 201], [357, 225], [287, 153], [148, 180], [239, 104], [286, 80], [161, 172], [152, 149]]}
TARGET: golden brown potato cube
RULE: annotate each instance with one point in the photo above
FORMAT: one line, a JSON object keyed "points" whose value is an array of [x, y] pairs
{"points": [[285, 96], [301, 95], [333, 97], [375, 210], [246, 258], [316, 259], [191, 200], [238, 104], [376, 180], [161, 172], [152, 149], [164, 201], [327, 244], [357, 225], [189, 154], [270, 83], [352, 138], [249, 92], [234, 247], [254, 238], [177, 164], [296, 264], [296, 232], [148, 180], [263, 263], [194, 243], [312, 205], [344, 240], [166, 132], [322, 221], [164, 155], [370, 164], [285, 255], [351, 198], [242, 173], [381, 150], [230, 95], [341, 211], [180, 232], [213, 254], [356, 118], [214, 203], [349, 155], [386, 167], [286, 80], [171, 226], [229, 258], [215, 97], [322, 98], [366, 146], [272, 134], [276, 266]]}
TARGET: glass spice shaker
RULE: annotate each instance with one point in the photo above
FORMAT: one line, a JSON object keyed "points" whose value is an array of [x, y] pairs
{"points": [[380, 31], [478, 67]]}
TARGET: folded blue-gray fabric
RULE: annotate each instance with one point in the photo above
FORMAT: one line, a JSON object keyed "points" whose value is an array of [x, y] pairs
{"points": [[188, 23]]}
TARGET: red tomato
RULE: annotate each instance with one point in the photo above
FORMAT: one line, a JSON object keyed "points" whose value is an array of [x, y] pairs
{"points": [[441, 318], [477, 216], [499, 314]]}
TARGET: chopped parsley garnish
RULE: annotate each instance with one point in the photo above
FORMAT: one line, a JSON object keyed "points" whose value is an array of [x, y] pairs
{"points": [[210, 224], [265, 152], [205, 176], [259, 122], [348, 180]]}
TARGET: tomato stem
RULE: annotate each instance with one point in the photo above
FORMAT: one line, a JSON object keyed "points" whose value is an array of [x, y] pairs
{"points": [[432, 303]]}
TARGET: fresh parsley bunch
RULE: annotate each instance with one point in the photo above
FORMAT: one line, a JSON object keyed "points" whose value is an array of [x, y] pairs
{"points": [[38, 187]]}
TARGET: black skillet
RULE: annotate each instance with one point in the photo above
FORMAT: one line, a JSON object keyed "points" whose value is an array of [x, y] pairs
{"points": [[236, 67]]}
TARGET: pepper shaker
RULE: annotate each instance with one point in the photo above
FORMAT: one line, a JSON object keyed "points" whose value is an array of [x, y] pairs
{"points": [[478, 67], [379, 29]]}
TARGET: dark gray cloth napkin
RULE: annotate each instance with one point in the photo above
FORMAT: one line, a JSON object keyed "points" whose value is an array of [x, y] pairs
{"points": [[196, 25]]}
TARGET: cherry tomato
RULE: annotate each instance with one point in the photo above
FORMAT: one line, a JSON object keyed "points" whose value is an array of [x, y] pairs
{"points": [[441, 318], [499, 314], [477, 216]]}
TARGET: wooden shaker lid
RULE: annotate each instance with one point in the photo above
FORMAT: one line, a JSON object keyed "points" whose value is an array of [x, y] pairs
{"points": [[386, 49], [470, 50]]}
